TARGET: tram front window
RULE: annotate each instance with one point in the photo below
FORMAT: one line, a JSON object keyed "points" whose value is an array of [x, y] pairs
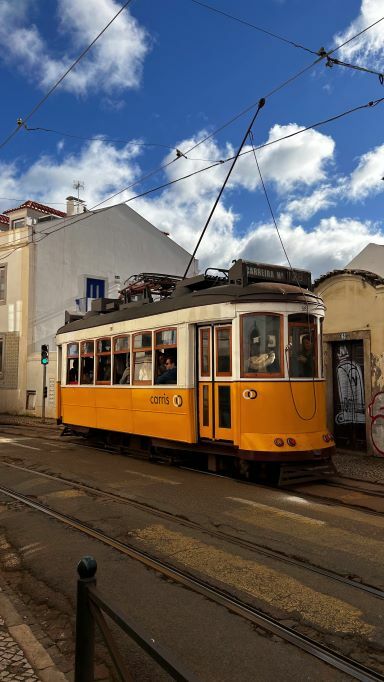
{"points": [[302, 346], [260, 345]]}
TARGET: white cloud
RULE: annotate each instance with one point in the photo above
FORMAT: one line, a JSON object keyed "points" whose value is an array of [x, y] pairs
{"points": [[367, 178], [307, 206], [368, 49], [329, 245], [182, 208], [298, 160], [113, 64], [49, 180]]}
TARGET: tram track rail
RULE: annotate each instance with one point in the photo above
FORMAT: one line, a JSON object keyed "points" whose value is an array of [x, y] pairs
{"points": [[354, 583], [331, 501], [357, 489], [241, 608]]}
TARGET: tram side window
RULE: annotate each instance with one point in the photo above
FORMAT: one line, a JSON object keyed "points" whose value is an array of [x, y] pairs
{"points": [[103, 361], [87, 359], [121, 360], [302, 346], [142, 358], [73, 363], [166, 356], [261, 345]]}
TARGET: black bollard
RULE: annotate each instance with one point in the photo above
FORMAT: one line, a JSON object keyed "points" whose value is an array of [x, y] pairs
{"points": [[85, 624]]}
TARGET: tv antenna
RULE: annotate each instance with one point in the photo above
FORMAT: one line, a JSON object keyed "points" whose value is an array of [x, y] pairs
{"points": [[78, 185]]}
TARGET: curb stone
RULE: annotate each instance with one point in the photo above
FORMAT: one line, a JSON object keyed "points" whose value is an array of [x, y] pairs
{"points": [[34, 652]]}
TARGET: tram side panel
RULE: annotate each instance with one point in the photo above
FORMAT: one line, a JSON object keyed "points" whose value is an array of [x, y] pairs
{"points": [[280, 409], [152, 411]]}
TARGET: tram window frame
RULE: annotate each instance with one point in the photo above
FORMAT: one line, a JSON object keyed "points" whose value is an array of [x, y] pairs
{"points": [[162, 348], [262, 375], [309, 327], [103, 354], [126, 352], [72, 357], [219, 328], [141, 349], [205, 331], [84, 356]]}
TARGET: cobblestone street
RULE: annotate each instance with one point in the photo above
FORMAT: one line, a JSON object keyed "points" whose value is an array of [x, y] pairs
{"points": [[13, 664]]}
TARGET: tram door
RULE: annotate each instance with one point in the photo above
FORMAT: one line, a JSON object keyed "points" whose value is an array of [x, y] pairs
{"points": [[214, 382]]}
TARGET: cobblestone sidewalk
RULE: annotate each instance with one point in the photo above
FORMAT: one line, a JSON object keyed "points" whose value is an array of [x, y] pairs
{"points": [[13, 664]]}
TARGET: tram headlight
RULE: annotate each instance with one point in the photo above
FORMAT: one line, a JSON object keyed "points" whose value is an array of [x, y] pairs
{"points": [[326, 437], [279, 442]]}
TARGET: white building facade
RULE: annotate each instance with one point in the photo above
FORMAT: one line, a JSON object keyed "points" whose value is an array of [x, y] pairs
{"points": [[52, 262]]}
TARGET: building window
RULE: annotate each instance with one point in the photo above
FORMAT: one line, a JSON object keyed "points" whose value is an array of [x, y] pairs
{"points": [[261, 353], [142, 358], [30, 403], [103, 361], [121, 360], [95, 288], [18, 222], [3, 283]]}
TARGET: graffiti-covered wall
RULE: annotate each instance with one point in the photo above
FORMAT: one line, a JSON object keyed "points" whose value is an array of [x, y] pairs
{"points": [[354, 358]]}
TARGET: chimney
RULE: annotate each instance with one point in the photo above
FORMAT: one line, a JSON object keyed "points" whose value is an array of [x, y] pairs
{"points": [[75, 206]]}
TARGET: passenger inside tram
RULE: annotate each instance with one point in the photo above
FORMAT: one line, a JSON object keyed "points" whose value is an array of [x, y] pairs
{"points": [[263, 345], [169, 376], [306, 358]]}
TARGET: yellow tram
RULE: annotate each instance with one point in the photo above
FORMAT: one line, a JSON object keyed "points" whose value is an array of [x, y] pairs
{"points": [[226, 364]]}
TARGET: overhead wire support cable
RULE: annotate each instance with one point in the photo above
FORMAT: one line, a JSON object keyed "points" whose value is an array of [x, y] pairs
{"points": [[259, 107], [37, 106], [254, 26], [331, 61]]}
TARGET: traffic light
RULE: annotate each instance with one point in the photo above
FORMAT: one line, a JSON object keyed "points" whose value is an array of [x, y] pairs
{"points": [[44, 354]]}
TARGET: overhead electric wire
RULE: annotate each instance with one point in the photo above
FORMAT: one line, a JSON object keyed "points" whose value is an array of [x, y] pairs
{"points": [[370, 104], [57, 83], [254, 26], [322, 55], [357, 35], [101, 139], [156, 170]]}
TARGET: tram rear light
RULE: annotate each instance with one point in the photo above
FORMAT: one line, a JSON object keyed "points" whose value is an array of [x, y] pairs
{"points": [[291, 442], [326, 437], [331, 437], [279, 442]]}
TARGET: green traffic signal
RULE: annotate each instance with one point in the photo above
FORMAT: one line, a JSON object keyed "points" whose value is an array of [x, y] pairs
{"points": [[44, 354]]}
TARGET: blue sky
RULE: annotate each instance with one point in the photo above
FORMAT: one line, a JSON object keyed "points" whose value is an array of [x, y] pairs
{"points": [[172, 72]]}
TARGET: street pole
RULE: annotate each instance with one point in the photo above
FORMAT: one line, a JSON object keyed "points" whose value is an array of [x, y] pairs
{"points": [[44, 393]]}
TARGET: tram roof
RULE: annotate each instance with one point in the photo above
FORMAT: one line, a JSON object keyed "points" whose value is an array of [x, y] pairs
{"points": [[185, 296]]}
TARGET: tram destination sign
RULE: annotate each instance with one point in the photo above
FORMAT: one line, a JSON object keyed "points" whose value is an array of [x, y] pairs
{"points": [[245, 272]]}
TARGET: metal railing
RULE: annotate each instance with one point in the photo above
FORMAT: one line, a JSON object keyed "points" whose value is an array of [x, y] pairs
{"points": [[91, 607]]}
